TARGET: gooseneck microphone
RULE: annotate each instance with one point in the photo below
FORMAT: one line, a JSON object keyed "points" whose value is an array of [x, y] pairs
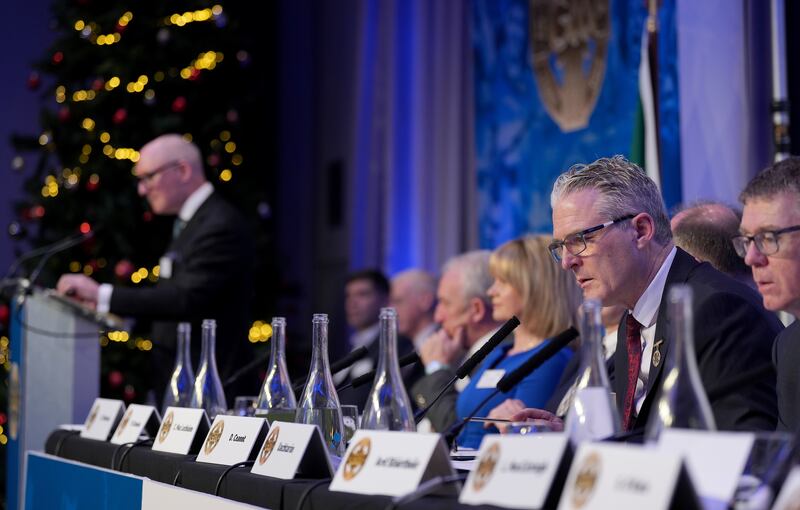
{"points": [[511, 379], [58, 248], [466, 368], [408, 359], [355, 355]]}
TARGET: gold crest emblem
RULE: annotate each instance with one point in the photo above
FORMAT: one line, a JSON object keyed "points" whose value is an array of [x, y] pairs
{"points": [[357, 458], [124, 422], [657, 353], [92, 417], [13, 401], [213, 437], [586, 480], [166, 426], [269, 445], [568, 45], [486, 467]]}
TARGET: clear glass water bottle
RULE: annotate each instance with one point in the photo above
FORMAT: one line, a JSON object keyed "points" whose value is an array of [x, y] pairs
{"points": [[388, 406], [592, 414], [276, 393], [208, 392], [181, 383], [682, 401], [319, 404]]}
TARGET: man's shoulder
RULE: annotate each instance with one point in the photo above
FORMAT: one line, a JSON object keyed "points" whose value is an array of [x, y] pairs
{"points": [[787, 343]]}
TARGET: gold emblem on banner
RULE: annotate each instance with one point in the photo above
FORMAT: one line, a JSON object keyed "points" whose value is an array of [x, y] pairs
{"points": [[213, 437], [269, 445], [124, 422], [13, 401], [357, 458], [568, 45], [166, 426], [486, 467], [657, 353], [586, 480], [92, 417]]}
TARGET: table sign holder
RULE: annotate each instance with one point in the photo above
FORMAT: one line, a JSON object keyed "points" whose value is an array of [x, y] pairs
{"points": [[138, 420], [232, 439], [291, 450], [183, 431], [103, 418]]}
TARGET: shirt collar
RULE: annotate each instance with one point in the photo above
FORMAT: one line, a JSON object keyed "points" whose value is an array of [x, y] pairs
{"points": [[195, 200], [646, 310]]}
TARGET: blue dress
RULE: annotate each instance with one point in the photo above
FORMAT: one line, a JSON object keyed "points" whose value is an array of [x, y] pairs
{"points": [[534, 390]]}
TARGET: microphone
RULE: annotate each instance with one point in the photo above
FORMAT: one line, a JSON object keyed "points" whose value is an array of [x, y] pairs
{"points": [[510, 380], [466, 367], [408, 359], [39, 251], [341, 364], [58, 248]]}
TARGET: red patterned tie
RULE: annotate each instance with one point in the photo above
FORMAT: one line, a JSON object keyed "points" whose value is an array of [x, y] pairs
{"points": [[634, 343]]}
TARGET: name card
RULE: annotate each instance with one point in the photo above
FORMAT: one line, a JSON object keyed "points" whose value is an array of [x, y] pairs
{"points": [[392, 463], [606, 476], [182, 431], [103, 417], [790, 492], [231, 439], [715, 460], [291, 449], [519, 471], [137, 420]]}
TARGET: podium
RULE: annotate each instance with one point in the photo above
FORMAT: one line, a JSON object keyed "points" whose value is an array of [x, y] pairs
{"points": [[54, 376]]}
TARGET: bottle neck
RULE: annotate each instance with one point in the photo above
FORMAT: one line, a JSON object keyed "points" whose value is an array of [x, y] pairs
{"points": [[183, 349], [388, 346], [278, 347], [207, 351], [319, 355]]}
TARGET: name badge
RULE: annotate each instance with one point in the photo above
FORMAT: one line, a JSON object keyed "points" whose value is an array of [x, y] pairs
{"points": [[165, 267], [505, 464], [292, 449], [714, 460], [392, 463], [137, 420], [606, 476], [490, 378], [182, 430], [790, 492], [231, 439], [103, 417]]}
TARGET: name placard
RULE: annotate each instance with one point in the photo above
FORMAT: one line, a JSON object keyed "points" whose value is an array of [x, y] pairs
{"points": [[790, 492], [137, 420], [103, 417], [231, 439], [606, 476], [392, 463], [518, 471], [714, 460], [292, 449], [182, 430]]}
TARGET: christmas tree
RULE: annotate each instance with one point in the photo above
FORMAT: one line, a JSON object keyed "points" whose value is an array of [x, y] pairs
{"points": [[118, 75]]}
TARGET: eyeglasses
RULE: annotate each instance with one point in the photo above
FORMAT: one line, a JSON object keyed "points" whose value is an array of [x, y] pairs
{"points": [[766, 242], [147, 179], [576, 243]]}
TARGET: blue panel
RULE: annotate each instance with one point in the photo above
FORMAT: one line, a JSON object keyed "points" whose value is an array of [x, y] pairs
{"points": [[53, 483], [669, 104], [13, 457]]}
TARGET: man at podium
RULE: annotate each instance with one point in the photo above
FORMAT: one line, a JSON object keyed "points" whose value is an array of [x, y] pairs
{"points": [[205, 274]]}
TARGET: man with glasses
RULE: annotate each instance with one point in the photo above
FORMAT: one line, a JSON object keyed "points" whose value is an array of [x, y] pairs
{"points": [[770, 245], [613, 233], [205, 274]]}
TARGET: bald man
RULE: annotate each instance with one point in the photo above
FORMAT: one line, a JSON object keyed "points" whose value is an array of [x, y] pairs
{"points": [[205, 274], [413, 295]]}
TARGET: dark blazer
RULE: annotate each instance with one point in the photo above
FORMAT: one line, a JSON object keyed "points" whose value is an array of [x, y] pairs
{"points": [[732, 333], [443, 414], [212, 273], [786, 357]]}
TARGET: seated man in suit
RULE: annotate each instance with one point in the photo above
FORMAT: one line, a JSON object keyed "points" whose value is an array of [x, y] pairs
{"points": [[613, 233], [413, 295], [770, 245], [206, 273]]}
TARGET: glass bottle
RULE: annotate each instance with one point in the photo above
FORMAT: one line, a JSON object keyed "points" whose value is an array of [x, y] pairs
{"points": [[208, 392], [181, 383], [277, 393], [592, 414], [388, 406], [319, 404], [682, 401]]}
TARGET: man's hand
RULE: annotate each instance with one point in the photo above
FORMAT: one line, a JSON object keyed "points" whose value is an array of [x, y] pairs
{"points": [[539, 414], [443, 349], [505, 411], [80, 287]]}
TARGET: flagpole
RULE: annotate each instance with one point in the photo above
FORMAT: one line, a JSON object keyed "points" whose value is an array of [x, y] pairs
{"points": [[780, 101], [652, 57]]}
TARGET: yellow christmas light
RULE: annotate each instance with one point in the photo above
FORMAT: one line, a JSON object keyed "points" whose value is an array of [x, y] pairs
{"points": [[236, 159], [87, 124], [105, 137], [225, 175]]}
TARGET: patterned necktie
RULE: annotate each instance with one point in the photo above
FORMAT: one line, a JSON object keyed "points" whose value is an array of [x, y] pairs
{"points": [[634, 343]]}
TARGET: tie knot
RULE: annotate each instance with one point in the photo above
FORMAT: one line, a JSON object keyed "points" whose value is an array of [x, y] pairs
{"points": [[177, 227], [632, 325]]}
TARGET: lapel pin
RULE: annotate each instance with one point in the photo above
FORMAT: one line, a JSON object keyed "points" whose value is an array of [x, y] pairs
{"points": [[657, 353]]}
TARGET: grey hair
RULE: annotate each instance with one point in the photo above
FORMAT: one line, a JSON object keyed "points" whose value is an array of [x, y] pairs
{"points": [[475, 275], [624, 189], [783, 176]]}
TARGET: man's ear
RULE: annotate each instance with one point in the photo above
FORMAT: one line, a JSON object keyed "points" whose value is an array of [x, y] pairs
{"points": [[477, 310], [645, 228]]}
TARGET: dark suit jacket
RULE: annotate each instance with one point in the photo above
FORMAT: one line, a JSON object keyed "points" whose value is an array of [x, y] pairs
{"points": [[443, 414], [732, 333], [786, 356], [212, 272]]}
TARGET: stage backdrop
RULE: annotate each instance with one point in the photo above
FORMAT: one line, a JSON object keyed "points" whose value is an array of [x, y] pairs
{"points": [[558, 83]]}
